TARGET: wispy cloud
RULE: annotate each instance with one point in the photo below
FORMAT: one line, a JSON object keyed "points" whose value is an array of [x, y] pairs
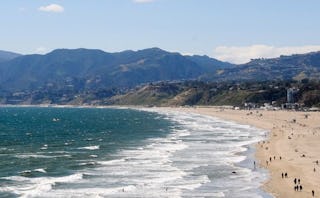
{"points": [[51, 8], [243, 54], [143, 1]]}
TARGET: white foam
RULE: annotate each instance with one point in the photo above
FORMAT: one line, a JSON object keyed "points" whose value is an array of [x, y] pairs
{"points": [[178, 165], [88, 163], [40, 170], [218, 194], [215, 142], [97, 147], [24, 156], [36, 187], [111, 162]]}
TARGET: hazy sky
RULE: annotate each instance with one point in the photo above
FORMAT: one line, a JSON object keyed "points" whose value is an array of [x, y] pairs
{"points": [[231, 30]]}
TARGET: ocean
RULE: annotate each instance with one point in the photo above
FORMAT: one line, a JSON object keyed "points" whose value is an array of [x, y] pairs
{"points": [[104, 152]]}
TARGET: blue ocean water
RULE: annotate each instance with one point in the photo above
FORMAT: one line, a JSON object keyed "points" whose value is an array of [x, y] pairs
{"points": [[95, 152]]}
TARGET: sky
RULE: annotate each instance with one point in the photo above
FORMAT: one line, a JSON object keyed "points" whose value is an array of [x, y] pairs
{"points": [[229, 30]]}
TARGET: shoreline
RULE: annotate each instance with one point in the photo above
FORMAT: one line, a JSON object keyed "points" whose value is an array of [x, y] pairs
{"points": [[292, 135], [247, 152], [186, 159], [295, 136]]}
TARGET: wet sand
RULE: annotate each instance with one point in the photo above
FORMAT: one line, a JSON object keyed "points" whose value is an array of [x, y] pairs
{"points": [[295, 136]]}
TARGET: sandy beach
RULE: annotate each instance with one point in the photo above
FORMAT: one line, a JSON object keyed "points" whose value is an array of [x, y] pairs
{"points": [[293, 136]]}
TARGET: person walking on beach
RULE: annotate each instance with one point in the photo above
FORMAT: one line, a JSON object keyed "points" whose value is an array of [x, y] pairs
{"points": [[295, 180], [312, 193], [286, 175], [300, 187], [282, 175]]}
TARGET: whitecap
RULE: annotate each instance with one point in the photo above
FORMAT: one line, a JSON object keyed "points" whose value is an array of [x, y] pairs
{"points": [[40, 170], [37, 187], [24, 156], [90, 147]]}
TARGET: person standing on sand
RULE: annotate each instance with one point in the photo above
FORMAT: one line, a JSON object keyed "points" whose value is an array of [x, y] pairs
{"points": [[295, 180], [282, 175], [312, 193]]}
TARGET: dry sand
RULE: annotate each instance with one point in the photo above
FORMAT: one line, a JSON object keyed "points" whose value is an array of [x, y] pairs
{"points": [[293, 136]]}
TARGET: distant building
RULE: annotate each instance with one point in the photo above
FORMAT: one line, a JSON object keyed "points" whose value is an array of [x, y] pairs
{"points": [[290, 95]]}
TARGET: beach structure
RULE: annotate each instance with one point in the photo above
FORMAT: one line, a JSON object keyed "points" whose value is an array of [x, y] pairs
{"points": [[290, 95], [291, 103]]}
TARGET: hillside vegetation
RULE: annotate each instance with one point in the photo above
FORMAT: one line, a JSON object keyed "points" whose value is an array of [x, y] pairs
{"points": [[235, 94]]}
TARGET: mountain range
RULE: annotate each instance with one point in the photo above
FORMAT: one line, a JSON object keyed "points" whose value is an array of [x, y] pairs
{"points": [[91, 69], [87, 69], [6, 56], [294, 67]]}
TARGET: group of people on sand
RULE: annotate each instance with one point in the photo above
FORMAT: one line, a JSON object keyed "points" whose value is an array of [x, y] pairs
{"points": [[297, 185], [270, 160], [284, 175], [288, 129]]}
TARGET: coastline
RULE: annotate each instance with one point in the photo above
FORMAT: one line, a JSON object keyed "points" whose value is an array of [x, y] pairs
{"points": [[184, 159], [292, 135]]}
